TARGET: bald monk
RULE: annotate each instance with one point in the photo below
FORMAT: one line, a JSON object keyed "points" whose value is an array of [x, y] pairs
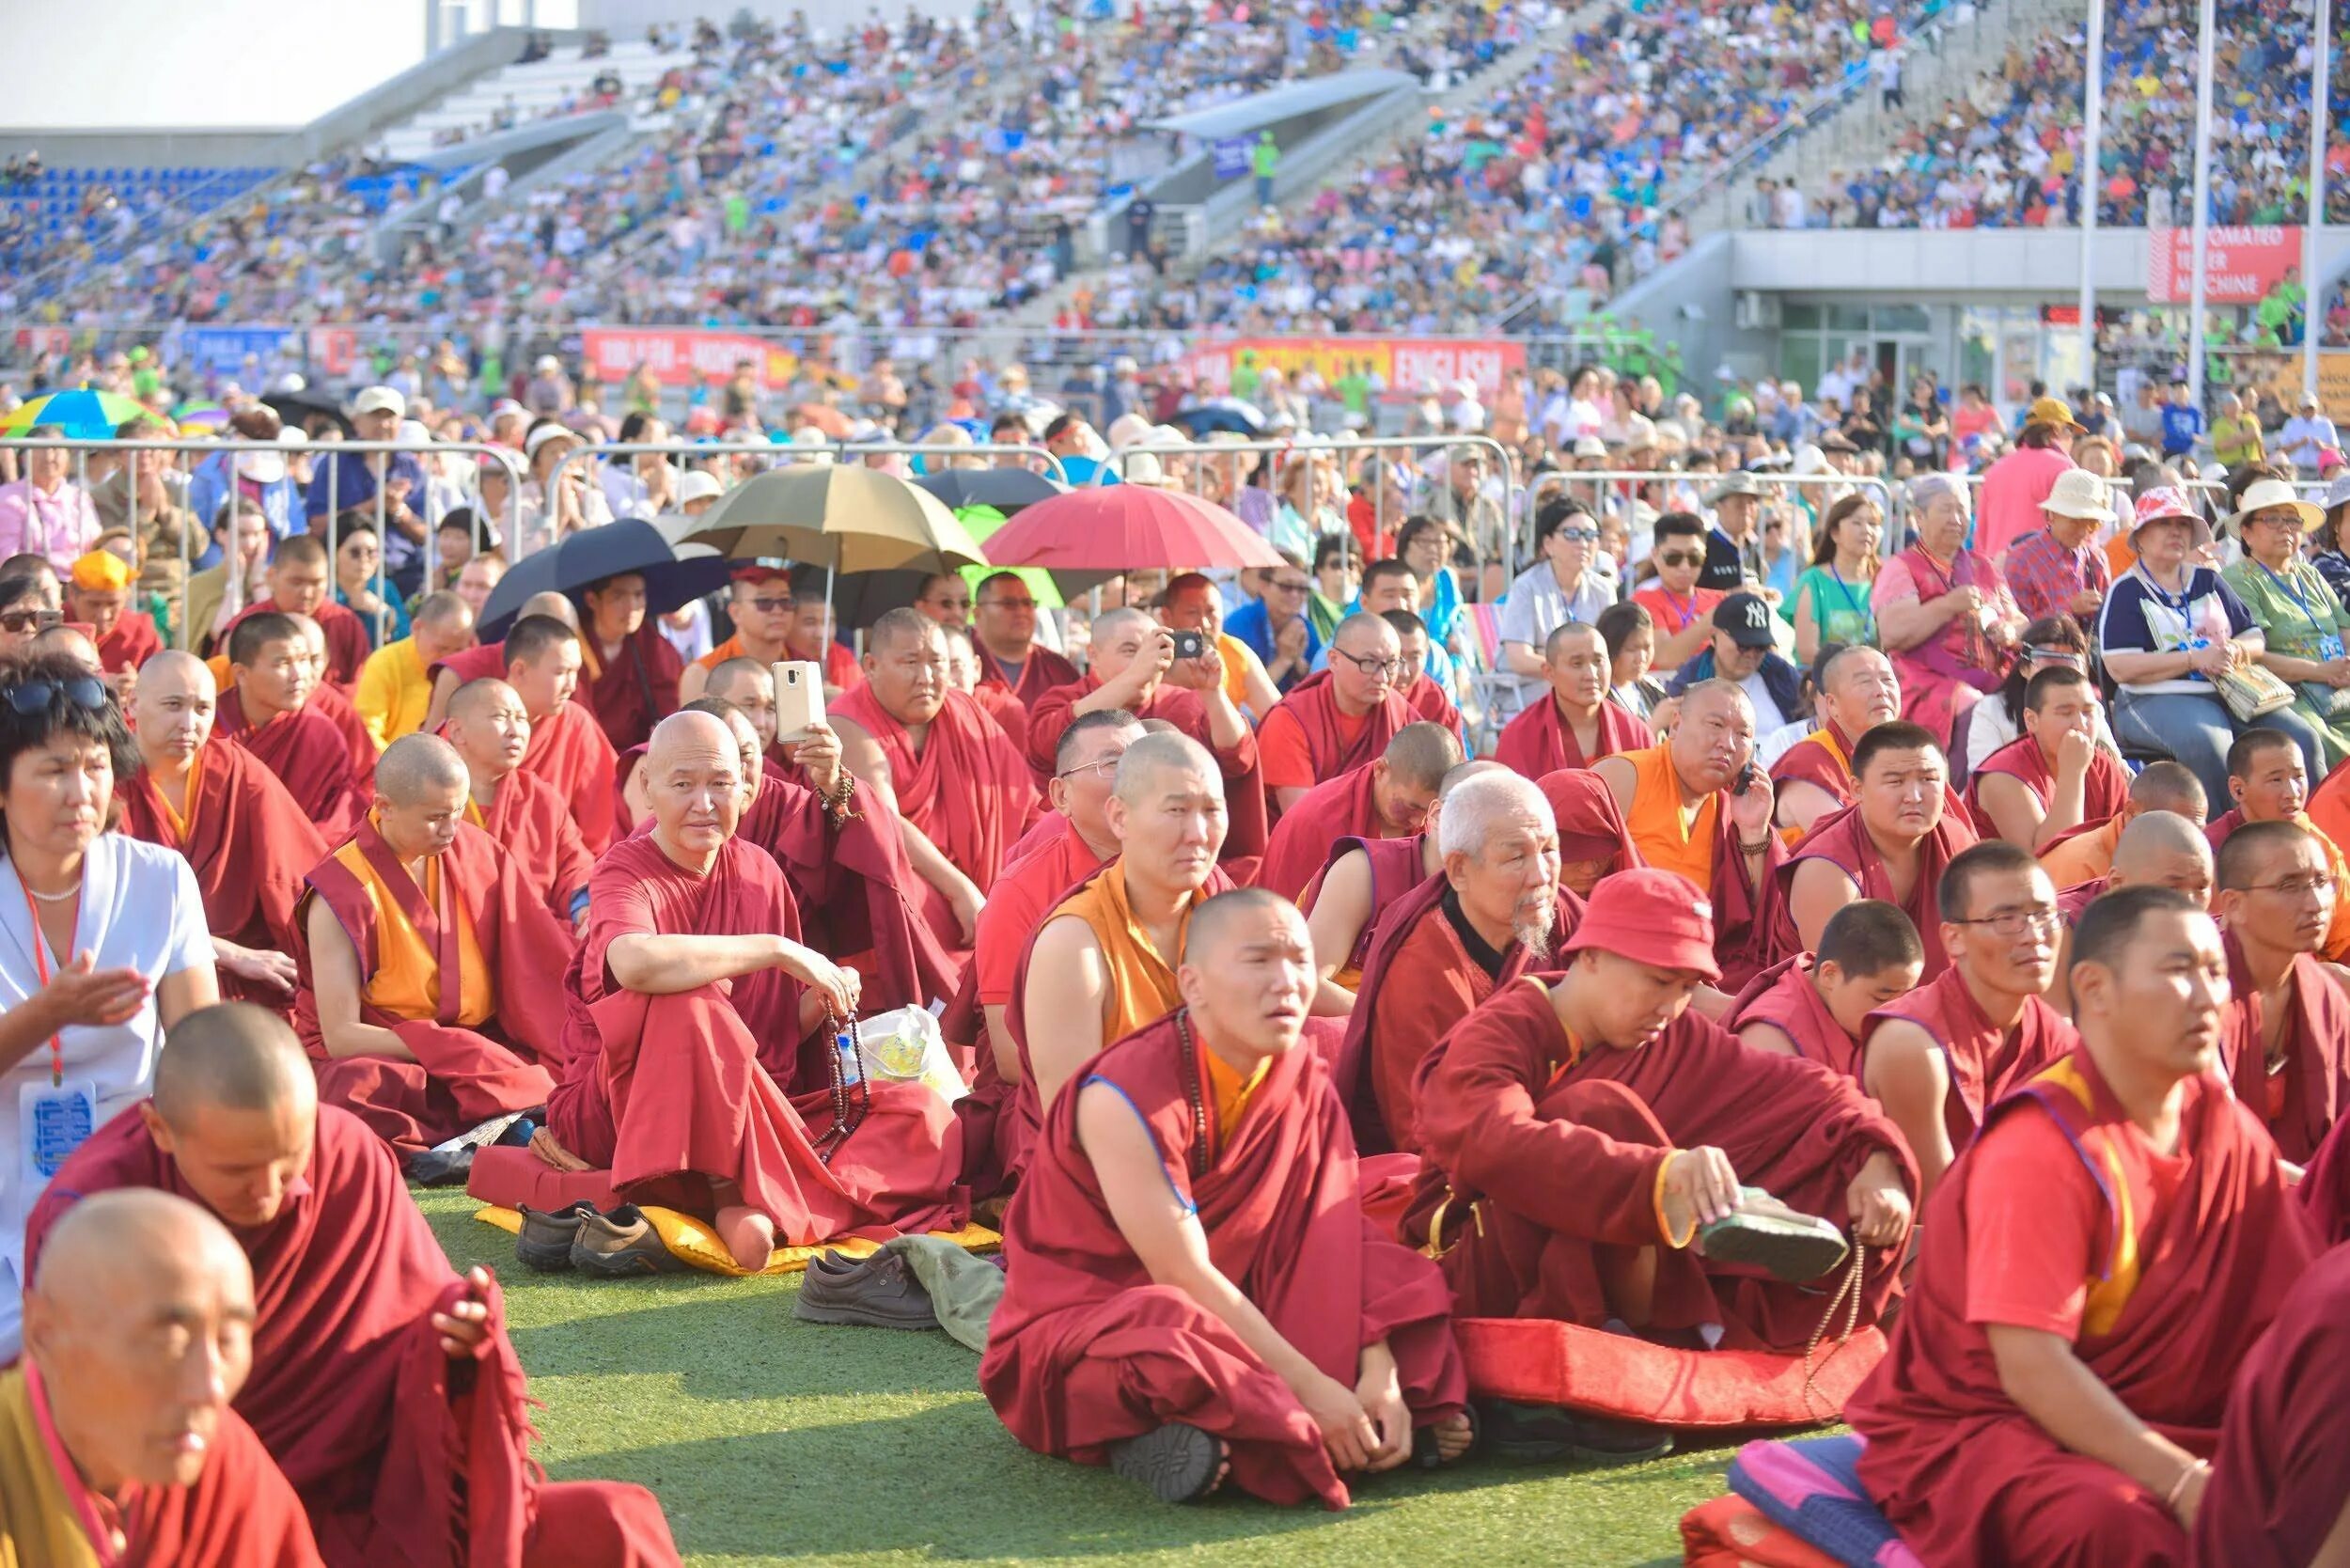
{"points": [[250, 845], [117, 1443], [569, 751], [957, 786], [1339, 719], [963, 675], [385, 1385], [1003, 618], [395, 686], [2279, 1493], [489, 730], [1490, 915], [2085, 855], [425, 995], [1363, 879], [489, 658], [690, 969], [1387, 797], [300, 582], [1696, 805], [333, 703], [265, 710], [2156, 849], [1426, 698], [750, 686], [759, 602], [630, 672], [2091, 1276], [2286, 1047], [1815, 1004], [2054, 779], [1194, 1295], [1894, 842], [2267, 786], [1940, 1058], [1573, 724], [1587, 1136], [73, 642], [1857, 691]]}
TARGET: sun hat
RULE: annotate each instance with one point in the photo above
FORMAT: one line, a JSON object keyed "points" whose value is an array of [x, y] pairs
{"points": [[1652, 917], [2080, 493], [2163, 502], [2263, 494]]}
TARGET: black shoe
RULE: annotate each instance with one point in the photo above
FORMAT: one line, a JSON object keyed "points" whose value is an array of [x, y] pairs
{"points": [[545, 1242], [878, 1291], [621, 1245], [1786, 1244], [1178, 1462], [1547, 1433], [440, 1168]]}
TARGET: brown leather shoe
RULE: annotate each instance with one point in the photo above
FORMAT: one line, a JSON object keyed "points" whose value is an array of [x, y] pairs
{"points": [[621, 1244], [878, 1291]]}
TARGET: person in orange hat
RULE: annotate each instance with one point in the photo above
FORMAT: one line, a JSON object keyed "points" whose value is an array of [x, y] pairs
{"points": [[98, 591]]}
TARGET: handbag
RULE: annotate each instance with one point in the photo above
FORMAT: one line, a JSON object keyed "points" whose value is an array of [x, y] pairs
{"points": [[2251, 692]]}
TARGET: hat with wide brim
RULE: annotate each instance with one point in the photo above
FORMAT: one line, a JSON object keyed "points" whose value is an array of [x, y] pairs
{"points": [[2162, 503], [2262, 494], [2078, 492]]}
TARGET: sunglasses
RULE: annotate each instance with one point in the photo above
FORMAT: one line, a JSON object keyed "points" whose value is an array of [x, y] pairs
{"points": [[1579, 536], [1280, 586], [772, 607], [36, 696], [30, 620], [1680, 558]]}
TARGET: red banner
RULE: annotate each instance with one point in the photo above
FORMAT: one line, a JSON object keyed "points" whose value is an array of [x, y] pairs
{"points": [[1407, 365], [2240, 265], [684, 356], [333, 351]]}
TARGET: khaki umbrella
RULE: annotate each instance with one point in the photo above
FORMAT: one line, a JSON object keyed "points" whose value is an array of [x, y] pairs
{"points": [[842, 516]]}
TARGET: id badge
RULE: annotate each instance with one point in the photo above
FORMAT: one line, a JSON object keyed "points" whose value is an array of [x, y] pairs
{"points": [[51, 1122], [2329, 647]]}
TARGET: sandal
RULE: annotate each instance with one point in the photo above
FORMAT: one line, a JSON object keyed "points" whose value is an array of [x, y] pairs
{"points": [[1178, 1462]]}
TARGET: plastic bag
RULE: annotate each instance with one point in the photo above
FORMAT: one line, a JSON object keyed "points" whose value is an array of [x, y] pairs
{"points": [[906, 1044]]}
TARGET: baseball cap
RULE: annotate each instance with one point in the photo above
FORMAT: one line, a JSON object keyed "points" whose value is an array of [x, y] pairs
{"points": [[381, 400], [2051, 411], [758, 572], [1651, 917], [1743, 619]]}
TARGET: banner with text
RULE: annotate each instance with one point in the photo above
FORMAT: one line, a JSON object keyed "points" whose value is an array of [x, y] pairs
{"points": [[1407, 365], [2240, 265], [683, 357]]}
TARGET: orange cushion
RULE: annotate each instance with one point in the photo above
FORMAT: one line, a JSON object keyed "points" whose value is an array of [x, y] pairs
{"points": [[1730, 1532], [1543, 1361]]}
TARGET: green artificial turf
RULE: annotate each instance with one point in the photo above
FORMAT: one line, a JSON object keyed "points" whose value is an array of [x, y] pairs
{"points": [[771, 1440]]}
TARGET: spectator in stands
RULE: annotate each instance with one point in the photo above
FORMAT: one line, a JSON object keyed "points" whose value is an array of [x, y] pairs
{"points": [[1830, 603], [1943, 615], [2016, 488], [2307, 435], [1680, 610], [2326, 540], [2059, 570], [1631, 637], [345, 487], [2182, 423], [45, 513], [2299, 617], [2235, 435], [1426, 546], [143, 494], [1564, 583], [1277, 627]]}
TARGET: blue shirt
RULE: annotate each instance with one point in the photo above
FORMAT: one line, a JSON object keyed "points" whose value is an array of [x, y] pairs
{"points": [[347, 478], [2181, 424], [1253, 626]]}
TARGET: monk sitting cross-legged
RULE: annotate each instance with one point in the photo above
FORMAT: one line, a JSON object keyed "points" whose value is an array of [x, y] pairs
{"points": [[265, 710], [2085, 855], [1859, 691], [1340, 719], [2269, 783], [2088, 1280], [1193, 1292], [1586, 1136], [384, 1385], [491, 731], [1573, 724], [1363, 879], [250, 845], [1385, 798], [568, 752], [118, 1444], [1815, 1004], [2054, 779], [2286, 1045]]}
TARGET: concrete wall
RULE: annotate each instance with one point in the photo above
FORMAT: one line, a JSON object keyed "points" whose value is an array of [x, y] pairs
{"points": [[1982, 265]]}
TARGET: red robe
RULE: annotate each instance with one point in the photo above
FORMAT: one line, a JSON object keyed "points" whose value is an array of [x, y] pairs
{"points": [[129, 643], [1539, 741], [967, 791], [1822, 758], [1341, 807], [1085, 1350], [2283, 1469], [1312, 706], [1785, 997], [249, 844], [483, 661], [570, 754], [1428, 701], [1964, 1474], [394, 1450], [461, 1077], [1541, 1155], [530, 822], [1042, 670], [636, 689], [333, 704], [1246, 822], [2301, 1101], [309, 756], [1590, 823], [1985, 1062], [2104, 791], [1009, 714], [672, 1092], [1842, 839], [1397, 867], [347, 644]]}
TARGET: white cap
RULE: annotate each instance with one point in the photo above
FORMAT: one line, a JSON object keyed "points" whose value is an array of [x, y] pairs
{"points": [[698, 486], [381, 400], [546, 432]]}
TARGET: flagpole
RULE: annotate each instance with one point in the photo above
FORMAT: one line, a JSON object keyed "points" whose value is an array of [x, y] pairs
{"points": [[2207, 26], [2093, 116]]}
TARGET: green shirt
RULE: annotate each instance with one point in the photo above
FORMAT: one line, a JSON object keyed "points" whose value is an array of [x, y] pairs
{"points": [[2294, 608], [1839, 606]]}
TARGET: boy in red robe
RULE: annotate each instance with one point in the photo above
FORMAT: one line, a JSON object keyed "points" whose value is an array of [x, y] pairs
{"points": [[2090, 1276], [1573, 724], [97, 593], [2278, 1495], [489, 729], [1815, 1004], [334, 704], [2269, 786], [265, 710], [385, 1385], [1339, 719], [2054, 779], [1387, 797], [630, 671], [1421, 694], [1857, 691], [300, 582], [104, 1436], [2286, 1041], [1194, 1293], [486, 659], [569, 751]]}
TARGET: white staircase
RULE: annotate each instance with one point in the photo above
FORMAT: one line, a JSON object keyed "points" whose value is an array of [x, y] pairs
{"points": [[532, 92]]}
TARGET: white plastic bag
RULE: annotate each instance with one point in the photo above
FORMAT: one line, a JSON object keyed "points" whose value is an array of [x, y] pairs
{"points": [[905, 1045]]}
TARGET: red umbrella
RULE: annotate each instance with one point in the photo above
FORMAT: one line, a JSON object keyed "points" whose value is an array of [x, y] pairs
{"points": [[1121, 526]]}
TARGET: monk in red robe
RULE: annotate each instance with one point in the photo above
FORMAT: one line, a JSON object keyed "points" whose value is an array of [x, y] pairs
{"points": [[959, 787], [334, 704], [1696, 805], [1573, 724], [1587, 1137], [630, 671], [759, 602], [1594, 842], [1815, 1004], [689, 977], [1857, 691], [97, 1417], [300, 582], [1893, 843], [2156, 849], [385, 1385], [816, 636], [995, 701], [1940, 1058], [249, 844], [1193, 1292], [489, 729], [1387, 797], [2286, 1047], [2278, 1495], [568, 752], [485, 659], [1339, 719], [2269, 786], [1003, 621], [2088, 855], [1421, 694], [2054, 779], [1361, 879], [97, 593], [2091, 1276], [265, 710]]}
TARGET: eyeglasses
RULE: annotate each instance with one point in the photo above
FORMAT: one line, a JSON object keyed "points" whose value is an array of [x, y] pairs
{"points": [[1680, 558], [1280, 586], [1106, 764], [2011, 922], [30, 620], [772, 607], [34, 697], [1370, 666], [1579, 536], [1008, 603], [949, 604], [2297, 886]]}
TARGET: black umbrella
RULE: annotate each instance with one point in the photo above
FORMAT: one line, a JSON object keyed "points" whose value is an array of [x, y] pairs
{"points": [[1004, 489], [592, 555], [298, 409], [1212, 418]]}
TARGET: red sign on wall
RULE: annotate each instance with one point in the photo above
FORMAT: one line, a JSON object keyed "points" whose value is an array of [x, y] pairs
{"points": [[2240, 265]]}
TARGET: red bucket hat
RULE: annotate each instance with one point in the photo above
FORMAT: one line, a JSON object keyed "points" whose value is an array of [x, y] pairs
{"points": [[1651, 917]]}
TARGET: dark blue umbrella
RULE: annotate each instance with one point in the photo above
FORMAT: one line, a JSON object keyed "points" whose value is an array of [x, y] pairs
{"points": [[587, 557], [1004, 489], [1209, 418]]}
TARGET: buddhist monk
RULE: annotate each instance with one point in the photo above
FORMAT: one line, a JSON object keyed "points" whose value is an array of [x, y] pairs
{"points": [[963, 675], [750, 686], [569, 751], [1940, 1058], [690, 969], [1387, 797], [98, 594], [385, 1385], [960, 788], [2267, 786], [1593, 840], [1421, 693], [2091, 1276], [489, 730], [250, 845], [2158, 850], [759, 602], [1003, 618], [1194, 1295], [395, 685], [425, 994], [814, 637], [1447, 946], [1339, 719], [265, 710], [2279, 1495], [1361, 880], [1587, 1136], [2085, 857], [301, 582], [330, 701], [1894, 842], [1815, 1004], [2054, 779], [2286, 1041], [630, 671], [117, 1443], [489, 658], [1696, 805], [1575, 724], [1132, 666], [1857, 691]]}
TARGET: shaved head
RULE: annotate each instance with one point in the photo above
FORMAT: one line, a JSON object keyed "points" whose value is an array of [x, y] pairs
{"points": [[1422, 754], [72, 643], [1246, 974], [896, 627], [2168, 786], [181, 671], [1218, 921], [475, 694], [2162, 849], [415, 767], [558, 606], [1149, 757], [725, 675], [1111, 624], [172, 709], [232, 1056]]}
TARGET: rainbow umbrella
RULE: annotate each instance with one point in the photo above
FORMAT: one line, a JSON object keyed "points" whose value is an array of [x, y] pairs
{"points": [[82, 415], [200, 417], [980, 522]]}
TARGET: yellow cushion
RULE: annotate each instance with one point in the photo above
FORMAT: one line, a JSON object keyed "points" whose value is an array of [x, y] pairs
{"points": [[696, 1242]]}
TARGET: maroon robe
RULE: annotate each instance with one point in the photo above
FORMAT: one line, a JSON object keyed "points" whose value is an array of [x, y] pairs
{"points": [[1590, 823], [395, 1450], [2282, 1470], [129, 643], [1822, 758], [1396, 865], [531, 822], [636, 689], [1038, 673], [1958, 1468], [1985, 1062], [569, 753], [2071, 902], [966, 790], [310, 757], [1428, 701], [1086, 1350], [1010, 717], [1341, 808], [483, 661], [1842, 839], [1786, 997], [348, 643], [333, 704], [2104, 791], [1245, 822], [1312, 706], [1539, 741], [1539, 1154], [2300, 1101]]}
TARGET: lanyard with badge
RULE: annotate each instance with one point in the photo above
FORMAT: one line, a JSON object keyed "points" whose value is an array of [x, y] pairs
{"points": [[56, 1118], [2328, 640]]}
